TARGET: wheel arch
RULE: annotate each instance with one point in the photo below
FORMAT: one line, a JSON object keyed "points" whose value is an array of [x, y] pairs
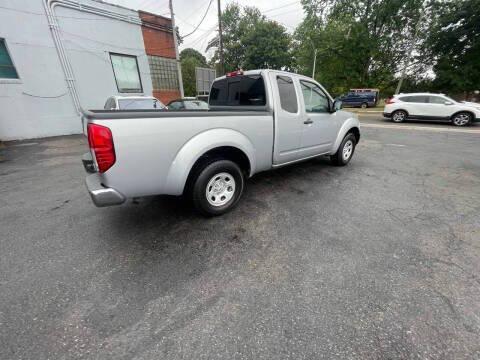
{"points": [[226, 143], [401, 109], [351, 125], [356, 132], [471, 113], [222, 152]]}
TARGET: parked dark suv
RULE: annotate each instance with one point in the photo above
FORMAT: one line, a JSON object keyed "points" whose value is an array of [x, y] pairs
{"points": [[358, 100]]}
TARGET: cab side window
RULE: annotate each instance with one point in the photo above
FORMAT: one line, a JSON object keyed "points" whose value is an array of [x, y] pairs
{"points": [[288, 96], [316, 101], [415, 99]]}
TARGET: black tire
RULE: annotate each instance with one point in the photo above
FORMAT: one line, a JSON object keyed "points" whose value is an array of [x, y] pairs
{"points": [[338, 159], [204, 175], [462, 119], [399, 116], [364, 105]]}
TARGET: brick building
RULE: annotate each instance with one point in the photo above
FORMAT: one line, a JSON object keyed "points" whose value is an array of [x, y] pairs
{"points": [[160, 49]]}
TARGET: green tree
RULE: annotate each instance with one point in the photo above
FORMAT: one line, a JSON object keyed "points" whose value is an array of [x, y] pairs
{"points": [[359, 43], [453, 46], [189, 60], [251, 41]]}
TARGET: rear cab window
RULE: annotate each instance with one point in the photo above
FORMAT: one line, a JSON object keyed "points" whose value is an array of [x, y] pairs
{"points": [[242, 90]]}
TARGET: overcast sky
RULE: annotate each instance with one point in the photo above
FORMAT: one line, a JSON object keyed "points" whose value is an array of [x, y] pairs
{"points": [[188, 14]]}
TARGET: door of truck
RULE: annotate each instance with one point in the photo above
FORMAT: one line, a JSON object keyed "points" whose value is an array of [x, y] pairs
{"points": [[320, 126], [288, 123]]}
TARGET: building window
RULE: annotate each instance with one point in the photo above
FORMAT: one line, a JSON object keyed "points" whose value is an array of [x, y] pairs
{"points": [[164, 73], [7, 69], [127, 75]]}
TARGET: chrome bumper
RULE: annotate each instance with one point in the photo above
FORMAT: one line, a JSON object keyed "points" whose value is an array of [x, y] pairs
{"points": [[101, 195]]}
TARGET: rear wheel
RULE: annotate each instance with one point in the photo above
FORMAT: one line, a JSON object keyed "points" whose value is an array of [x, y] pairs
{"points": [[462, 119], [217, 187], [345, 151], [399, 116], [364, 105]]}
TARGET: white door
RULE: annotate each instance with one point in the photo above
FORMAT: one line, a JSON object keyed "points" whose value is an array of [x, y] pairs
{"points": [[417, 105], [320, 126], [288, 122], [438, 107]]}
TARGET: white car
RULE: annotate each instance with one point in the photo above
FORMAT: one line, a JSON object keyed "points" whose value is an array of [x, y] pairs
{"points": [[427, 106], [133, 103]]}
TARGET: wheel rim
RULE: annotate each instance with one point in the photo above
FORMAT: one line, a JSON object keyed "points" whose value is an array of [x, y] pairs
{"points": [[398, 116], [364, 106], [347, 150], [461, 119], [220, 189]]}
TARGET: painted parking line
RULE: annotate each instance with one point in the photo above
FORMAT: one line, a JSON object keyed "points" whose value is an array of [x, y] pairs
{"points": [[420, 128], [396, 145]]}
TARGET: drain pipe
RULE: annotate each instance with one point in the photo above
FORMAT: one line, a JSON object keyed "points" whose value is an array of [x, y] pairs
{"points": [[49, 6]]}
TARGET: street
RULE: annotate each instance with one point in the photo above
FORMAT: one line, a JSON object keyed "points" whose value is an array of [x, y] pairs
{"points": [[376, 260]]}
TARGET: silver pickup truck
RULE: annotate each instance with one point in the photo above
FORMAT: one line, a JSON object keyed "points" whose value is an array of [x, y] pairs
{"points": [[258, 120]]}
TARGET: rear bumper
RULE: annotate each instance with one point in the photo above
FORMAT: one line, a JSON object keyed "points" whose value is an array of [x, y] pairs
{"points": [[387, 115], [102, 195]]}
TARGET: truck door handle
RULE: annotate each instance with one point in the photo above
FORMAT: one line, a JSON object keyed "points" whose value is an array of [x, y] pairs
{"points": [[308, 121]]}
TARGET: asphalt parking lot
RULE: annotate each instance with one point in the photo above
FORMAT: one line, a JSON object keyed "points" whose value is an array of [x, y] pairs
{"points": [[376, 260]]}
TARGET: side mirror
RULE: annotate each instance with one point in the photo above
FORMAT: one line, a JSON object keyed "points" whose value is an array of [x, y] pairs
{"points": [[337, 105], [448, 103]]}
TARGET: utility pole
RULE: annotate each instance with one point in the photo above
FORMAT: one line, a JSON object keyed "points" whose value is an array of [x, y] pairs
{"points": [[314, 56], [177, 57], [220, 39]]}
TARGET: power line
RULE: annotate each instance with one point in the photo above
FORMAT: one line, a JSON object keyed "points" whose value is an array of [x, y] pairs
{"points": [[280, 7], [189, 24], [192, 12], [209, 31], [201, 21], [58, 16]]}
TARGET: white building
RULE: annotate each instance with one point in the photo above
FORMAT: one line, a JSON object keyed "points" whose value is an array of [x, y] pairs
{"points": [[57, 56]]}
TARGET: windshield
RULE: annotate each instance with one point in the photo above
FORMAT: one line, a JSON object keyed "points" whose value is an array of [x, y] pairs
{"points": [[139, 104]]}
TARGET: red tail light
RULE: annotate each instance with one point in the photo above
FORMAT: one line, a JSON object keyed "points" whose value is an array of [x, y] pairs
{"points": [[390, 101], [101, 142]]}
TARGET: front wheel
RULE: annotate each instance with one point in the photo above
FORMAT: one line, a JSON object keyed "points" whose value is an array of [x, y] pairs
{"points": [[345, 151], [462, 119], [364, 105], [217, 187]]}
